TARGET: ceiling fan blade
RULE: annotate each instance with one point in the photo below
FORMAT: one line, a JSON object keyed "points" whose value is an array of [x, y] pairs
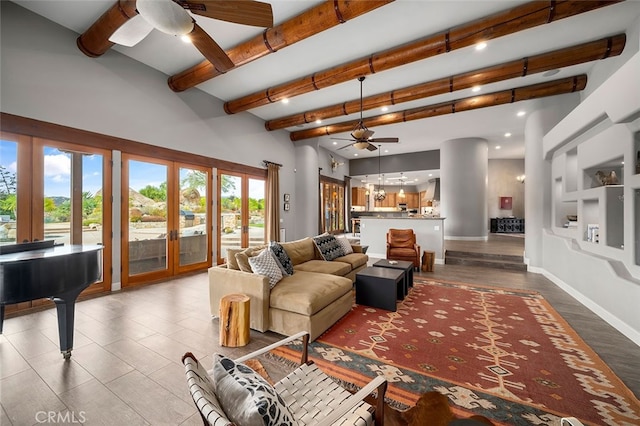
{"points": [[210, 49], [342, 139], [367, 134], [346, 146], [245, 12], [372, 147], [131, 32], [383, 140]]}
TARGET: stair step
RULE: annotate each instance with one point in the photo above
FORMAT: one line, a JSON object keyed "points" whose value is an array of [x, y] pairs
{"points": [[487, 260], [484, 256], [487, 263]]}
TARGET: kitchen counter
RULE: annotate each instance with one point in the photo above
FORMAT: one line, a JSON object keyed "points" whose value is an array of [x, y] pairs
{"points": [[429, 233]]}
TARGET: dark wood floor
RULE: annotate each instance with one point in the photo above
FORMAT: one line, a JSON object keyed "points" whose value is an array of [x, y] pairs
{"points": [[125, 367]]}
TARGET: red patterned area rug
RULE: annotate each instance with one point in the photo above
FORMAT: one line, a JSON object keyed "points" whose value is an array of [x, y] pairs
{"points": [[504, 354]]}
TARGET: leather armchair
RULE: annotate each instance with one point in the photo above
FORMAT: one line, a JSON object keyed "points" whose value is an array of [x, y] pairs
{"points": [[402, 245]]}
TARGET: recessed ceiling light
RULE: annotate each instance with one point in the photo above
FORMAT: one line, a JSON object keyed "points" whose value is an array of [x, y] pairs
{"points": [[475, 89], [507, 135], [384, 109], [386, 150], [521, 113], [623, 162], [285, 100], [498, 147], [355, 155], [430, 174], [318, 121], [185, 39], [335, 143], [481, 45]]}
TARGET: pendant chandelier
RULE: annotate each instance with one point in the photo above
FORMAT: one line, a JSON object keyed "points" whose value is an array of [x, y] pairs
{"points": [[401, 193], [380, 194]]}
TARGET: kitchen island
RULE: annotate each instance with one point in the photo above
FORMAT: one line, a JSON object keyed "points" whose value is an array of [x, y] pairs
{"points": [[429, 234]]}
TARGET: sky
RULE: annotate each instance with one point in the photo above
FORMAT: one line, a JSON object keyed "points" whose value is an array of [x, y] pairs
{"points": [[57, 167]]}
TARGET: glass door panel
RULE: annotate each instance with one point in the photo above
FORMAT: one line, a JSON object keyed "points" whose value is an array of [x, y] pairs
{"points": [[256, 212], [146, 216], [241, 199], [231, 231], [73, 206], [193, 238], [8, 191]]}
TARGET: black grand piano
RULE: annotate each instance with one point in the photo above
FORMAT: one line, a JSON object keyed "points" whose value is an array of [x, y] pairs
{"points": [[41, 269]]}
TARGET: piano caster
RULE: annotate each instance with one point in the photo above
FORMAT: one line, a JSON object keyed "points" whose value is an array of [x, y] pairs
{"points": [[66, 354]]}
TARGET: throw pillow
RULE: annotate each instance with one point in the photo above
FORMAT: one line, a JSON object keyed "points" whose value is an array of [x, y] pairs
{"points": [[266, 264], [346, 246], [247, 398], [242, 258], [328, 247], [232, 263], [243, 262], [282, 257]]}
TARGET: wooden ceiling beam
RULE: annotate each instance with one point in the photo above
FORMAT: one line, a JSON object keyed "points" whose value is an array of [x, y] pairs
{"points": [[95, 41], [514, 20], [585, 52], [540, 90], [310, 22]]}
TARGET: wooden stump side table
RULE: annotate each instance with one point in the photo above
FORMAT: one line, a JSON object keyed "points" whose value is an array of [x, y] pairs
{"points": [[234, 320], [428, 260]]}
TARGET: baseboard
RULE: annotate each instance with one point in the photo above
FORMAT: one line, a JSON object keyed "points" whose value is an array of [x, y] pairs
{"points": [[611, 319]]}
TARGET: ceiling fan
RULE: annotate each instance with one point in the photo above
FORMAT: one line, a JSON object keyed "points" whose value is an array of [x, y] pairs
{"points": [[171, 17], [361, 136]]}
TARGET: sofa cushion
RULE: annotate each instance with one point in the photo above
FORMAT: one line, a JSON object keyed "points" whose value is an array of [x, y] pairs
{"points": [[356, 260], [282, 257], [266, 264], [307, 293], [328, 246], [322, 266], [300, 251], [246, 397]]}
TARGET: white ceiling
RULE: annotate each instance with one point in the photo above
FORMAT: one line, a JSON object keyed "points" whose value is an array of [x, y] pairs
{"points": [[388, 26]]}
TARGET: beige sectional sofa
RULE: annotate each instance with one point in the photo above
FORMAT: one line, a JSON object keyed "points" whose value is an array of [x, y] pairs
{"points": [[312, 299]]}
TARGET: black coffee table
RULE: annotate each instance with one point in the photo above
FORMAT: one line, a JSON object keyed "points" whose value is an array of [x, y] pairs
{"points": [[379, 287], [407, 267]]}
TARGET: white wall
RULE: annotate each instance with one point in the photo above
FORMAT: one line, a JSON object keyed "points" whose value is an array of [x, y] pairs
{"points": [[502, 182], [45, 77]]}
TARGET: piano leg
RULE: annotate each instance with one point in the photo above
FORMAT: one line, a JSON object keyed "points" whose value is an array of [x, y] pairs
{"points": [[65, 305]]}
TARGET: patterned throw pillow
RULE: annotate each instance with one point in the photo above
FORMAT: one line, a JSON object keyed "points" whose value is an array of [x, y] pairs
{"points": [[246, 397], [282, 257], [346, 246], [266, 264], [328, 246]]}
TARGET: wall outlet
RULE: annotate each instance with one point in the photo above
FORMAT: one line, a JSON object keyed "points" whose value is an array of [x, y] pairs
{"points": [[436, 227]]}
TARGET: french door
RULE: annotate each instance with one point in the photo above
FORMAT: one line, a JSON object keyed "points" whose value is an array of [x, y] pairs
{"points": [[51, 190], [241, 220], [166, 218]]}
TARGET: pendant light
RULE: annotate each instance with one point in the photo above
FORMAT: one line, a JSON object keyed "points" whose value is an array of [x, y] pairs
{"points": [[401, 193], [380, 194]]}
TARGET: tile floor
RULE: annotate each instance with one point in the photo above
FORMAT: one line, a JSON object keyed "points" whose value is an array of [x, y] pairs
{"points": [[125, 368]]}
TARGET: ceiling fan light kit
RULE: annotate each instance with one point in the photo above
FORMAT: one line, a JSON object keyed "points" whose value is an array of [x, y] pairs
{"points": [[166, 16], [362, 137]]}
